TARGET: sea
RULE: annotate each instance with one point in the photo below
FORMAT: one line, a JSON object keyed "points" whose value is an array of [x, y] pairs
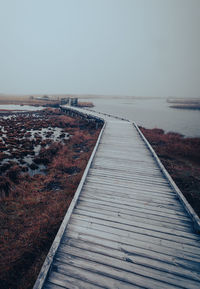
{"points": [[151, 113]]}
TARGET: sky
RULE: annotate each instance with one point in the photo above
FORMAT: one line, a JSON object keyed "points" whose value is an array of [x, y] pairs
{"points": [[109, 47]]}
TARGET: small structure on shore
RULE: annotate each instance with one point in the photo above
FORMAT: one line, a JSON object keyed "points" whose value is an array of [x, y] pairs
{"points": [[44, 97], [72, 101]]}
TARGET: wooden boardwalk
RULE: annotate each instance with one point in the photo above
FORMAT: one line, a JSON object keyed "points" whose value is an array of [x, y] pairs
{"points": [[126, 227]]}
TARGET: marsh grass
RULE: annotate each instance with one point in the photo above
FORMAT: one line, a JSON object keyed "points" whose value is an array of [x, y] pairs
{"points": [[32, 207]]}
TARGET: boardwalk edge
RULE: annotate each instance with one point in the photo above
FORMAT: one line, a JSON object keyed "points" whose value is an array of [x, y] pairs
{"points": [[49, 258], [187, 206]]}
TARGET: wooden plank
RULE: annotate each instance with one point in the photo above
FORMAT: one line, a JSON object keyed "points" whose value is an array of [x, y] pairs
{"points": [[134, 193], [133, 196], [131, 159], [128, 184], [67, 281], [132, 230], [136, 188], [189, 270], [119, 277], [121, 169], [134, 245], [157, 208], [141, 173], [124, 214], [89, 276], [163, 195], [139, 163], [147, 256], [140, 209], [122, 185], [124, 175], [127, 269], [158, 240], [49, 285], [129, 181], [135, 223]]}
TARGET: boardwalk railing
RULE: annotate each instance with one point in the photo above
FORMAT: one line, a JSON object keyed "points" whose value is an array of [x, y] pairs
{"points": [[86, 116]]}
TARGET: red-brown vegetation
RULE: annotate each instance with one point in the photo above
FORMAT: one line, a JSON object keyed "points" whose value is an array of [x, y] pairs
{"points": [[181, 157], [85, 104], [27, 100], [33, 205]]}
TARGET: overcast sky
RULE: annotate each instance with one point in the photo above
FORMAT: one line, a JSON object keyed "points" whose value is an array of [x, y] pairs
{"points": [[123, 47]]}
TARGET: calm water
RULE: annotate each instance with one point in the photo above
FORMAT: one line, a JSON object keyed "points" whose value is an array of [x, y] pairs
{"points": [[152, 113], [20, 107]]}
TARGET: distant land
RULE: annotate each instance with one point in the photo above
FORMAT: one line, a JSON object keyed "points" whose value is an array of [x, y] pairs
{"points": [[171, 99], [39, 100], [54, 99], [185, 103], [58, 96]]}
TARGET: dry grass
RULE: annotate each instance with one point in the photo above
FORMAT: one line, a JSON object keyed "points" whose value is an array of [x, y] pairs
{"points": [[85, 104], [34, 207], [26, 100]]}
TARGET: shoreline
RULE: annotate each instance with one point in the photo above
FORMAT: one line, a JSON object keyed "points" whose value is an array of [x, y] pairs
{"points": [[37, 103], [186, 106], [181, 103]]}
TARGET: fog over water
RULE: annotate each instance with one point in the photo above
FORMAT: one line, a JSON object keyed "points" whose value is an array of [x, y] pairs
{"points": [[105, 47], [151, 113], [109, 47]]}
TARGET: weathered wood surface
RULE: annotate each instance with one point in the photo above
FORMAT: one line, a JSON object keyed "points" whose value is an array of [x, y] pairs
{"points": [[128, 228]]}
